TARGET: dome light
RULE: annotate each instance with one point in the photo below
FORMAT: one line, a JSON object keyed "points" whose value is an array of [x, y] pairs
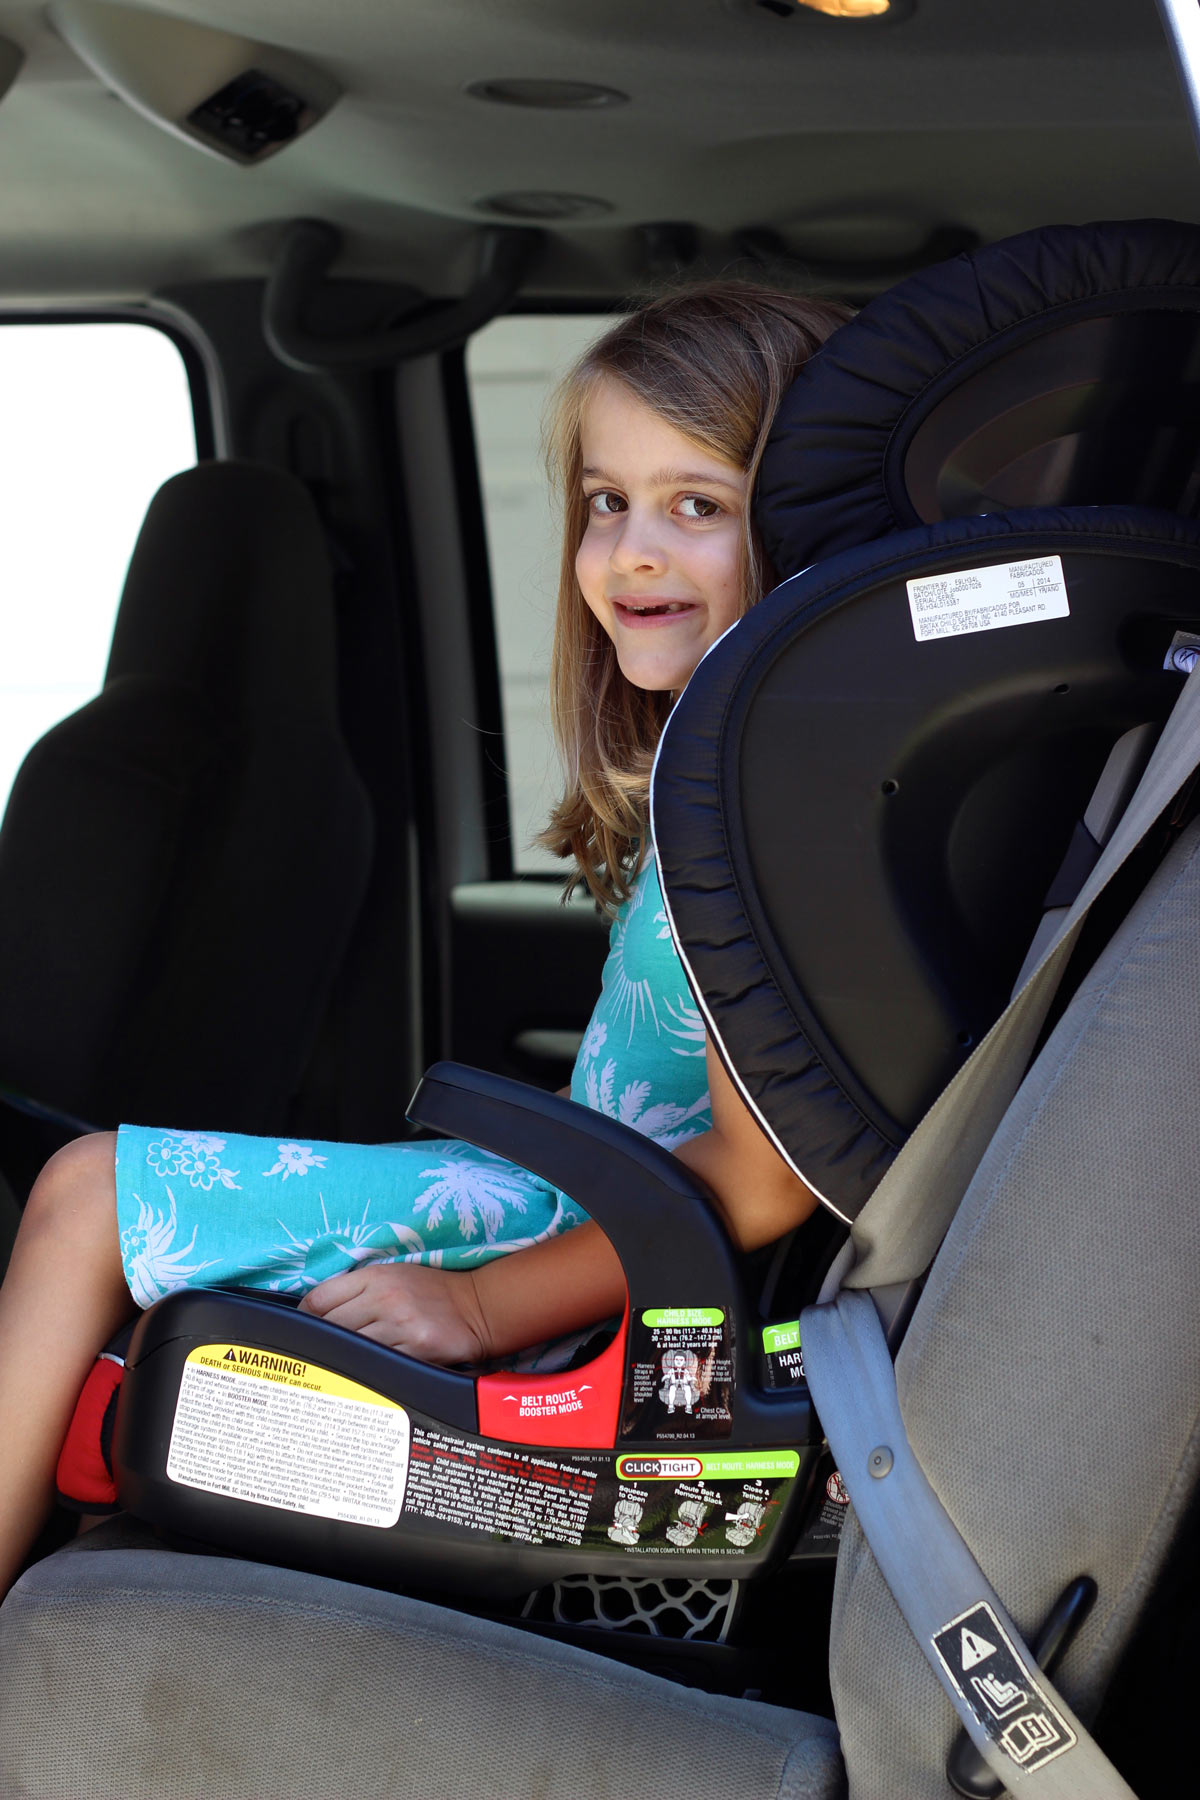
{"points": [[566, 96], [848, 9]]}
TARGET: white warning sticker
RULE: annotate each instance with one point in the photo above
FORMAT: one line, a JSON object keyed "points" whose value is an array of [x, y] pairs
{"points": [[1018, 593], [1008, 1701], [277, 1431]]}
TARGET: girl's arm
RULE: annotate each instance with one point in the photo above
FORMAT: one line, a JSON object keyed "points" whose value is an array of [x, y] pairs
{"points": [[557, 1286], [758, 1195], [470, 1315]]}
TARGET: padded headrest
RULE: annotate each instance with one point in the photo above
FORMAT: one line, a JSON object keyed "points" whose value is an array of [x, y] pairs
{"points": [[867, 788], [1057, 368], [229, 590]]}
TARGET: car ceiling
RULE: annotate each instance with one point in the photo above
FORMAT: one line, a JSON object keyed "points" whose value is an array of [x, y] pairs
{"points": [[851, 141]]}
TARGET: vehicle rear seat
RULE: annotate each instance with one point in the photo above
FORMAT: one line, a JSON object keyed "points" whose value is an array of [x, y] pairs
{"points": [[182, 860]]}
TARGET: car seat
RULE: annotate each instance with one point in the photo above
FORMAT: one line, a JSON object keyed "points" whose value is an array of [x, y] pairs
{"points": [[181, 860], [834, 761]]}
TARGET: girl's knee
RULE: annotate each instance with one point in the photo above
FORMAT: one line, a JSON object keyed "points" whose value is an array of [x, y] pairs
{"points": [[78, 1184]]}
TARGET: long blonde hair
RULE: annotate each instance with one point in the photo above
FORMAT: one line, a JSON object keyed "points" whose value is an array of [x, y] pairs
{"points": [[713, 360]]}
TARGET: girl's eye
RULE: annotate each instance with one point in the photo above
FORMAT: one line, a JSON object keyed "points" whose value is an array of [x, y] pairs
{"points": [[604, 503], [695, 506]]}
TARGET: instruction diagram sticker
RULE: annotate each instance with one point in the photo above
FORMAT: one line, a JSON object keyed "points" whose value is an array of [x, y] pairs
{"points": [[1001, 1691], [681, 1374], [276, 1431], [715, 1503], [965, 600]]}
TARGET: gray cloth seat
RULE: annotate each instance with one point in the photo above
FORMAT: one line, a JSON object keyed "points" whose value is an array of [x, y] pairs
{"points": [[1050, 1379], [137, 1674]]}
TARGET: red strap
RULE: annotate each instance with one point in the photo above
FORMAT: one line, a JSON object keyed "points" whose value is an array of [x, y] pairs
{"points": [[85, 1478]]}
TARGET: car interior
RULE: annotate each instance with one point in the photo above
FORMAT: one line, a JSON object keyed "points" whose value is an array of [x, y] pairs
{"points": [[933, 795]]}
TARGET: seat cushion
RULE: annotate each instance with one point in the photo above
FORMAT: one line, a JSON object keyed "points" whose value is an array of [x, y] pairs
{"points": [[154, 1675]]}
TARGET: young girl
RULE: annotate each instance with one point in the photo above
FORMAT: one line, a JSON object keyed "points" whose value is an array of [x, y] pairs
{"points": [[659, 432]]}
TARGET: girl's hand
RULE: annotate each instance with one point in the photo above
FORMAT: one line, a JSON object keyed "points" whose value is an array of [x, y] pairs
{"points": [[433, 1314]]}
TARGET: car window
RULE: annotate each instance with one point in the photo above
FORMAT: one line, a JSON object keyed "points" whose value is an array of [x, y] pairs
{"points": [[513, 366], [96, 417]]}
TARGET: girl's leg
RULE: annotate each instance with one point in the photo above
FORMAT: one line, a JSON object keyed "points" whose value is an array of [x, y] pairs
{"points": [[63, 1297]]}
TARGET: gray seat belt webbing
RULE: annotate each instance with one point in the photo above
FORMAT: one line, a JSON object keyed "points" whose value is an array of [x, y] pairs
{"points": [[897, 1234], [1015, 1717]]}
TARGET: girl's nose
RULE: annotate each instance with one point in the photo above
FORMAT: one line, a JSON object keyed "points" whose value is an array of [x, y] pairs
{"points": [[637, 546]]}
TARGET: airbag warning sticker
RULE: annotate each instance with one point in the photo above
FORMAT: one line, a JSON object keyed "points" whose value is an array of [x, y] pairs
{"points": [[1018, 593], [277, 1431], [1000, 1690]]}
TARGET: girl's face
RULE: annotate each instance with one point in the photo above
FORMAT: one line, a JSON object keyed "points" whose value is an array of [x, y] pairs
{"points": [[660, 562]]}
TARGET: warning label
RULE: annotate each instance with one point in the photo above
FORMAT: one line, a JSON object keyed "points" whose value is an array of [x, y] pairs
{"points": [[1019, 593], [515, 1493], [827, 1508], [1002, 1692], [276, 1431]]}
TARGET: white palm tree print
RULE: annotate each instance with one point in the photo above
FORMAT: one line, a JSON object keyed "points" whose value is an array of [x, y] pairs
{"points": [[629, 996], [152, 1267], [356, 1241], [666, 1121], [478, 1187], [689, 1026]]}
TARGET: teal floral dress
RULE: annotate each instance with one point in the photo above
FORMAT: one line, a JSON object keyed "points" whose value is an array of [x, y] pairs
{"points": [[199, 1208]]}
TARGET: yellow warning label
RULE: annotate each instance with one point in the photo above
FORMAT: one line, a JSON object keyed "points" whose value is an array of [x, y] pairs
{"points": [[277, 1431], [285, 1371]]}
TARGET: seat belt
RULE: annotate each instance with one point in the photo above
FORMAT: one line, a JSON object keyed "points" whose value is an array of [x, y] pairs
{"points": [[1012, 1713], [1016, 1719]]}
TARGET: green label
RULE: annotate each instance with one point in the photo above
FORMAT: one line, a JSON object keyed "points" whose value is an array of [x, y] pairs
{"points": [[714, 1465], [684, 1315], [781, 1337]]}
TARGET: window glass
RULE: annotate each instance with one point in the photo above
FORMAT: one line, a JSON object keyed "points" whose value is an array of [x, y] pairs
{"points": [[95, 418], [513, 366]]}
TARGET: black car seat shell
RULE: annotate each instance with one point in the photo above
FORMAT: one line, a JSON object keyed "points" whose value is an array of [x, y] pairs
{"points": [[182, 860], [837, 800], [1051, 1224]]}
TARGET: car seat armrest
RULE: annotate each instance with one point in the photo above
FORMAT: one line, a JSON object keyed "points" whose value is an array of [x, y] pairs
{"points": [[659, 1217]]}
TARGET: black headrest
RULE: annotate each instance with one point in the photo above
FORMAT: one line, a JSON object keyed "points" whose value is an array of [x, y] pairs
{"points": [[1057, 368], [868, 786], [229, 590]]}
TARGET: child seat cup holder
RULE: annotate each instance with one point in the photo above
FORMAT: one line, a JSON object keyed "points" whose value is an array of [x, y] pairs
{"points": [[245, 1423]]}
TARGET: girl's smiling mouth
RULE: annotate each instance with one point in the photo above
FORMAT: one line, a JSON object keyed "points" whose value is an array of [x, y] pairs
{"points": [[652, 612]]}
